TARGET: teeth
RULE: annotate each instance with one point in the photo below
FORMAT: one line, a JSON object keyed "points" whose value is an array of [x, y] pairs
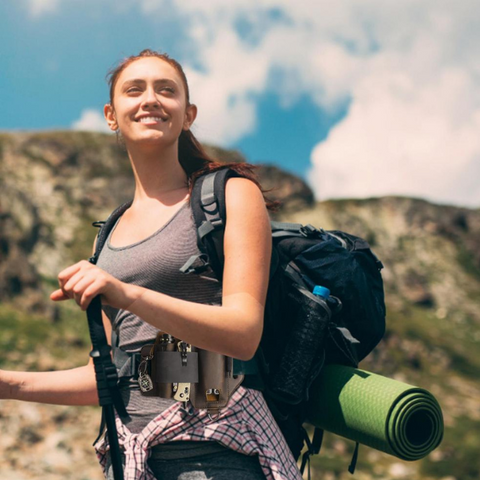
{"points": [[150, 119]]}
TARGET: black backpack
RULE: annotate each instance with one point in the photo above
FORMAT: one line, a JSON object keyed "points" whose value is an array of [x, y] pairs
{"points": [[302, 331]]}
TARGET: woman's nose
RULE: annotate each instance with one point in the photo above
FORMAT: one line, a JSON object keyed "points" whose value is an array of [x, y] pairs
{"points": [[150, 99]]}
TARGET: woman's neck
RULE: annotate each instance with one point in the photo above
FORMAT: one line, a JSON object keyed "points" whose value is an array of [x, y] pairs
{"points": [[158, 174]]}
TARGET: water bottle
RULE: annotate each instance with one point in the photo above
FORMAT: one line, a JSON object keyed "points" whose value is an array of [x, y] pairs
{"points": [[304, 354]]}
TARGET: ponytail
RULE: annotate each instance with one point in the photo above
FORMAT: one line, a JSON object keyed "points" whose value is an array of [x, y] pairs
{"points": [[196, 162], [191, 154]]}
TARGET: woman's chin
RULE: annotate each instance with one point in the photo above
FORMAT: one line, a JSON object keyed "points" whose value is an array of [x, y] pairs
{"points": [[151, 139]]}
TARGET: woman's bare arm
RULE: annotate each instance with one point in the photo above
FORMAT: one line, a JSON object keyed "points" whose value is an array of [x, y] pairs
{"points": [[65, 387]]}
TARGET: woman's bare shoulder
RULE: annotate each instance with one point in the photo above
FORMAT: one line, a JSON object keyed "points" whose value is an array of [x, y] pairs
{"points": [[243, 191]]}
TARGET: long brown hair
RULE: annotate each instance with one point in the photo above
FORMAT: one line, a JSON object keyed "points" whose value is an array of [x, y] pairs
{"points": [[193, 158]]}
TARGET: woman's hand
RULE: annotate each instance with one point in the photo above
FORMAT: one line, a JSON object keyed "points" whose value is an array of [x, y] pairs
{"points": [[84, 281]]}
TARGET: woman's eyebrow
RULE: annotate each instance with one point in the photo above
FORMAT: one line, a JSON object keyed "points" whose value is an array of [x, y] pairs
{"points": [[133, 81], [140, 81], [165, 80]]}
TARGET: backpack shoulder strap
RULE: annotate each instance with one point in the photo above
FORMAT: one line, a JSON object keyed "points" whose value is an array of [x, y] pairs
{"points": [[105, 229], [210, 216]]}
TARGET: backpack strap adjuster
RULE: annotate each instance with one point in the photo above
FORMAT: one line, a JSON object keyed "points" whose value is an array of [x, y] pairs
{"points": [[205, 228], [309, 231], [201, 262], [210, 207]]}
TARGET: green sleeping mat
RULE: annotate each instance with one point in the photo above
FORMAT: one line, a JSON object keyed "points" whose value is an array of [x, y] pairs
{"points": [[385, 414]]}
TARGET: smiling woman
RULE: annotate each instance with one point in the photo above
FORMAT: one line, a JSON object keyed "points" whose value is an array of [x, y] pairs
{"points": [[147, 300]]}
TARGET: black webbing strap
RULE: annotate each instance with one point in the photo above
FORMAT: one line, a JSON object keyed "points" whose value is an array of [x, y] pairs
{"points": [[105, 370], [284, 229], [105, 228], [106, 376], [317, 440], [286, 233], [214, 225], [313, 448], [292, 227], [353, 463]]}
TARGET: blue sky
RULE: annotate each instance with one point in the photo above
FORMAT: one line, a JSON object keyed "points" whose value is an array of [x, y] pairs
{"points": [[361, 98]]}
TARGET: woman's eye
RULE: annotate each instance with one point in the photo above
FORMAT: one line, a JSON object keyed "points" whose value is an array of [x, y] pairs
{"points": [[133, 90], [167, 89]]}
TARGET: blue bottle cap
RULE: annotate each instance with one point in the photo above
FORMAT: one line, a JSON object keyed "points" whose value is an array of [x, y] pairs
{"points": [[321, 291]]}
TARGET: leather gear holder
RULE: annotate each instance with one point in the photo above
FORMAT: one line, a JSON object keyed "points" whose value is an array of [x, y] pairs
{"points": [[170, 368]]}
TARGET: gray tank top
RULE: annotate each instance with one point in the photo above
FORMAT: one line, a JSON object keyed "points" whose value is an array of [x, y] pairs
{"points": [[155, 263]]}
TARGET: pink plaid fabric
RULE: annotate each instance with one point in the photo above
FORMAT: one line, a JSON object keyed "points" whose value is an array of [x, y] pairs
{"points": [[245, 425]]}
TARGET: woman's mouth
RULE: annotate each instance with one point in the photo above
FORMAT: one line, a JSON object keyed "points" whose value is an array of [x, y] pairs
{"points": [[151, 119]]}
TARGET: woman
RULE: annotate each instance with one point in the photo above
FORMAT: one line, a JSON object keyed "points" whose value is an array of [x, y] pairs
{"points": [[143, 293]]}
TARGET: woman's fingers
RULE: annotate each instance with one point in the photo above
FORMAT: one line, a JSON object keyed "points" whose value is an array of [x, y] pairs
{"points": [[66, 274], [88, 287], [75, 283], [88, 294], [58, 295]]}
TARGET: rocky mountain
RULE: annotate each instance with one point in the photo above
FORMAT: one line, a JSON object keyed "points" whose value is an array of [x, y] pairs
{"points": [[54, 184]]}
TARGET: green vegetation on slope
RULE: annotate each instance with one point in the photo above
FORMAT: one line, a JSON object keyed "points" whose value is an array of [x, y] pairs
{"points": [[31, 342]]}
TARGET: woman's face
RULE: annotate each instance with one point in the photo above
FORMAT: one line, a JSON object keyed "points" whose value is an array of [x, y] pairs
{"points": [[149, 103]]}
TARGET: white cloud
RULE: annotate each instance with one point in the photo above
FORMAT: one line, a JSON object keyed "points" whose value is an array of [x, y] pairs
{"points": [[91, 120], [227, 109], [414, 119], [37, 8], [408, 69], [400, 139]]}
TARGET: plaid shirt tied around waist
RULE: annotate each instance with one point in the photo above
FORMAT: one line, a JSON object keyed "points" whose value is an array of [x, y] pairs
{"points": [[245, 425]]}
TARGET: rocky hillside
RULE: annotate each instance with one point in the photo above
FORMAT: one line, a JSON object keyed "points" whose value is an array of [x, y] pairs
{"points": [[54, 184]]}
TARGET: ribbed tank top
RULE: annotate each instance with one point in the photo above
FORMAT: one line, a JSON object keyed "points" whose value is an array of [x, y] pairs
{"points": [[155, 263]]}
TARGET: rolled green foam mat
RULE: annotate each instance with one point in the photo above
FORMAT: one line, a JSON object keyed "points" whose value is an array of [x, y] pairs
{"points": [[385, 414]]}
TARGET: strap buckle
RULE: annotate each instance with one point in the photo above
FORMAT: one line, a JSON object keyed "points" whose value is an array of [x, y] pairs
{"points": [[309, 231], [201, 261]]}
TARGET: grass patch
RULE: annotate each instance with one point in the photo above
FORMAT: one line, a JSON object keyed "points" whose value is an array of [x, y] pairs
{"points": [[456, 341], [467, 262], [28, 341]]}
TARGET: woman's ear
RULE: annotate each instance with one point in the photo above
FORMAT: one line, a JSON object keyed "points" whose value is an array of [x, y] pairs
{"points": [[109, 114], [190, 115]]}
